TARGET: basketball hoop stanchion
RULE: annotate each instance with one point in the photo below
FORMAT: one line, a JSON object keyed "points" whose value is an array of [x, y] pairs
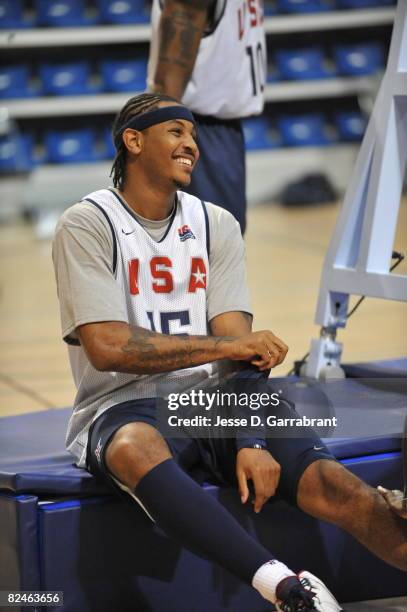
{"points": [[359, 255]]}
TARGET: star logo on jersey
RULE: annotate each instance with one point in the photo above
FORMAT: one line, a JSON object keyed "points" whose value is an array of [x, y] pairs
{"points": [[185, 232], [98, 450], [200, 279]]}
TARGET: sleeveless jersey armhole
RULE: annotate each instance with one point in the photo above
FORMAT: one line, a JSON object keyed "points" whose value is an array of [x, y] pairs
{"points": [[208, 234], [215, 17], [114, 262]]}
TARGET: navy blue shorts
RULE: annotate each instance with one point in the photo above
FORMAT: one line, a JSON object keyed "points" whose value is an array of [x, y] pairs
{"points": [[220, 174], [209, 460]]}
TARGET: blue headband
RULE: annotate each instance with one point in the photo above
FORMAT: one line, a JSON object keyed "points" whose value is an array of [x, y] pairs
{"points": [[145, 120]]}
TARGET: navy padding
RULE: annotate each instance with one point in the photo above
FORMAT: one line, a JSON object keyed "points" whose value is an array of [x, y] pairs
{"points": [[368, 458], [33, 459], [360, 447], [389, 368], [19, 543], [156, 574], [33, 456]]}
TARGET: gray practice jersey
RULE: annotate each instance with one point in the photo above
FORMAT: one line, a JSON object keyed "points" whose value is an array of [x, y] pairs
{"points": [[100, 278]]}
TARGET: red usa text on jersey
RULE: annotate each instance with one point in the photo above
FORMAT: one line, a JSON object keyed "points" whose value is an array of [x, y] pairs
{"points": [[161, 275], [255, 8]]}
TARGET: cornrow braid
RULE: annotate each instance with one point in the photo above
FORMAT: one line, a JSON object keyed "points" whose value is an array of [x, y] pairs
{"points": [[135, 106]]}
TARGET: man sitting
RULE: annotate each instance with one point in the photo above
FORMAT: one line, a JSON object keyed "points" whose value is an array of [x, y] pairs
{"points": [[153, 293]]}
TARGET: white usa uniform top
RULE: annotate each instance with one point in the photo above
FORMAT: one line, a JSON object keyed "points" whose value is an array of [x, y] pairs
{"points": [[164, 287], [230, 70]]}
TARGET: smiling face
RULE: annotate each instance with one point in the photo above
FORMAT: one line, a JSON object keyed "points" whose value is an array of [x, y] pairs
{"points": [[168, 151]]}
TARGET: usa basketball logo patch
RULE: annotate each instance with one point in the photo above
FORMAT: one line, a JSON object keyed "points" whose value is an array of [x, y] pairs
{"points": [[98, 450], [185, 232]]}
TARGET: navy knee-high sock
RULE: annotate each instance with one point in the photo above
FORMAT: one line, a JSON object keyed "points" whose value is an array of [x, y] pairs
{"points": [[194, 519]]}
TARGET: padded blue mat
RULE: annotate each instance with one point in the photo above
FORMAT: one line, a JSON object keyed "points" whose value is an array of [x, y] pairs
{"points": [[33, 459]]}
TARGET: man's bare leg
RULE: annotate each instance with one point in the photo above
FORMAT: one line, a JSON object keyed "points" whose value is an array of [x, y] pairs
{"points": [[136, 448], [330, 492], [139, 458]]}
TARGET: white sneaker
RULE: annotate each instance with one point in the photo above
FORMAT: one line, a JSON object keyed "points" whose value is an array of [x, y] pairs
{"points": [[323, 599], [305, 592]]}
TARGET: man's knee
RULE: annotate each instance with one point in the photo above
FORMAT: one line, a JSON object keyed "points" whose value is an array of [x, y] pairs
{"points": [[135, 449], [329, 491]]}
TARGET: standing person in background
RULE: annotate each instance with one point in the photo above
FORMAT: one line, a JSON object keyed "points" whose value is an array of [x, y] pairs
{"points": [[211, 55]]}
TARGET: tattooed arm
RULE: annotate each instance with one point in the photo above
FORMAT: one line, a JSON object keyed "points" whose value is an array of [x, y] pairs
{"points": [[113, 346], [180, 31]]}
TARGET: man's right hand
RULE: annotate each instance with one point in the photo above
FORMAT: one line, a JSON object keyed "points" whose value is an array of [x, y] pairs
{"points": [[263, 349], [262, 469]]}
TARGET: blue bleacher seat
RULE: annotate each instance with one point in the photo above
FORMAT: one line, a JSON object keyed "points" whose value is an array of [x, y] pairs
{"points": [[124, 11], [66, 79], [272, 75], [14, 82], [12, 15], [357, 4], [257, 134], [62, 13], [303, 6], [16, 153], [351, 125], [303, 130], [301, 64], [124, 75], [269, 8], [75, 146], [358, 59]]}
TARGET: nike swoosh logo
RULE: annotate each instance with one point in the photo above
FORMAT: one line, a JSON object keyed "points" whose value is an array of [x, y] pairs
{"points": [[128, 233], [317, 448]]}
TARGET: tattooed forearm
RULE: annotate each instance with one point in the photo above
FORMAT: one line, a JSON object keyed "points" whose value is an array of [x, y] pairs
{"points": [[187, 40], [181, 28], [168, 33], [180, 36], [116, 346], [149, 352]]}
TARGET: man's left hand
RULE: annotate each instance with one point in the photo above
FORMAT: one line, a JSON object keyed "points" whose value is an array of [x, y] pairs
{"points": [[258, 466]]}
